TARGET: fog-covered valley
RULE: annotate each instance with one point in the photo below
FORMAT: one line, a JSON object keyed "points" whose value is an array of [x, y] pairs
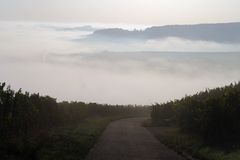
{"points": [[44, 57]]}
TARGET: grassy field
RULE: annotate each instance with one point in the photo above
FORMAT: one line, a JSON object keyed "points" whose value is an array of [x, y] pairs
{"points": [[62, 143], [190, 145]]}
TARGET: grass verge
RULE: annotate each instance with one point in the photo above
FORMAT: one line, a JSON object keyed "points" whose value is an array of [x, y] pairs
{"points": [[190, 145], [74, 142], [62, 143]]}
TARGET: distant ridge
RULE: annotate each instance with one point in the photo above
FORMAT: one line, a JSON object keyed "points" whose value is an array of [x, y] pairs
{"points": [[218, 32]]}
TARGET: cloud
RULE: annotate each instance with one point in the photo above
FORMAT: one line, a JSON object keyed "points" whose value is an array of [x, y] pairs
{"points": [[86, 28], [188, 64], [166, 44]]}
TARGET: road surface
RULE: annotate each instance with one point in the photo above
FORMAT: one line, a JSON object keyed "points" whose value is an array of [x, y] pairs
{"points": [[126, 139]]}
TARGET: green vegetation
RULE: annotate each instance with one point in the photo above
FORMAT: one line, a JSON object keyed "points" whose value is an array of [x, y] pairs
{"points": [[192, 145], [37, 127], [205, 125], [72, 142]]}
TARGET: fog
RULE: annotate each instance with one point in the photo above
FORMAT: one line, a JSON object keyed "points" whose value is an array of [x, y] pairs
{"points": [[59, 60]]}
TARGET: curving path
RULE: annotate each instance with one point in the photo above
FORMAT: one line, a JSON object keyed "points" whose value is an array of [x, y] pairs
{"points": [[126, 139]]}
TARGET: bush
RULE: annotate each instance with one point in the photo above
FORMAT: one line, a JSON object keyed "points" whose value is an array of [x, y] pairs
{"points": [[212, 114]]}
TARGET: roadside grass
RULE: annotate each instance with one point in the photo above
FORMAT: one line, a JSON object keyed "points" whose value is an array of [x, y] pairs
{"points": [[190, 145], [62, 143], [74, 142]]}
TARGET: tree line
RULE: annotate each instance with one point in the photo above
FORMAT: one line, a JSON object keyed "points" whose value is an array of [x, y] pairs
{"points": [[213, 115], [23, 114]]}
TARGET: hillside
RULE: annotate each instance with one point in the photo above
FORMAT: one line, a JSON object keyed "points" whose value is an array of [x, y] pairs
{"points": [[220, 32]]}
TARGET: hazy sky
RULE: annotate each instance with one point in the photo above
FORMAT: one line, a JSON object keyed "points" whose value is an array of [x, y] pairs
{"points": [[146, 12]]}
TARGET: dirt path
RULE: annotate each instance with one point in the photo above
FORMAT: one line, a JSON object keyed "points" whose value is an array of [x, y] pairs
{"points": [[126, 139]]}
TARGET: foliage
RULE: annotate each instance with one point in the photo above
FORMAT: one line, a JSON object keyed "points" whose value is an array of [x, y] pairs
{"points": [[213, 114], [25, 116], [72, 142], [190, 145]]}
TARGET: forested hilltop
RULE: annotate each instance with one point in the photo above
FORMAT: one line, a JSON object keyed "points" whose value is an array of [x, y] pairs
{"points": [[26, 121], [219, 32]]}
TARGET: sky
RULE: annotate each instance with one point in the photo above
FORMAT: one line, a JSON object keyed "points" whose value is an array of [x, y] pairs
{"points": [[142, 12]]}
